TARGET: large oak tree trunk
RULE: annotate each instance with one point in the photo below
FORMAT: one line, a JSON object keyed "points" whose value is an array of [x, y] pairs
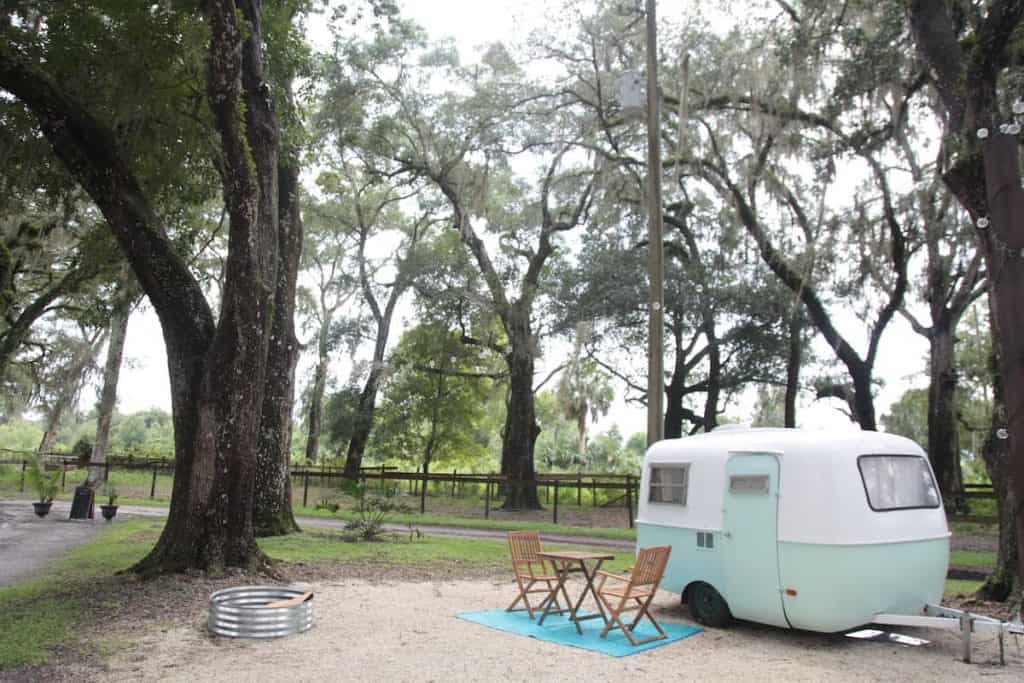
{"points": [[272, 505], [985, 177], [521, 429], [1006, 282], [210, 523]]}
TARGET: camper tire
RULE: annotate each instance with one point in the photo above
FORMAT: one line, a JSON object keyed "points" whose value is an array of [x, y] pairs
{"points": [[707, 605]]}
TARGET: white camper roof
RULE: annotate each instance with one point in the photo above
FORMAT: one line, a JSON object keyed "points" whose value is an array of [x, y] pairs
{"points": [[821, 493]]}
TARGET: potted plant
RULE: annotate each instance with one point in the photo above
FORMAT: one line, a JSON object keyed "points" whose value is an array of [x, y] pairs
{"points": [[44, 483], [109, 509]]}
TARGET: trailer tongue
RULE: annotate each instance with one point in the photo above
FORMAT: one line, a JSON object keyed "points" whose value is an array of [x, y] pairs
{"points": [[949, 619]]}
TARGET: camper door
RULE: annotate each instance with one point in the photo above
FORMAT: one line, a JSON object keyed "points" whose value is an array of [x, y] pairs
{"points": [[750, 544]]}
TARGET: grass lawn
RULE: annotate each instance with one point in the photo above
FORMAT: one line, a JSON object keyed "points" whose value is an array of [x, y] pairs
{"points": [[972, 558], [40, 614]]}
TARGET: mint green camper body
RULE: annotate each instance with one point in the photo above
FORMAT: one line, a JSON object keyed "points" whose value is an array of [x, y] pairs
{"points": [[810, 530]]}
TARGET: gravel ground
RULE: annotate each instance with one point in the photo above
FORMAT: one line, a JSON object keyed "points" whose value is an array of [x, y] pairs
{"points": [[403, 628]]}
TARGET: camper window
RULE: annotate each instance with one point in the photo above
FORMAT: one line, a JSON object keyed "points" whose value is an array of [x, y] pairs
{"points": [[668, 484], [897, 482]]}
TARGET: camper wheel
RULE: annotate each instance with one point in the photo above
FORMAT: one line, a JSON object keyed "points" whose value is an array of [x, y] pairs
{"points": [[708, 606]]}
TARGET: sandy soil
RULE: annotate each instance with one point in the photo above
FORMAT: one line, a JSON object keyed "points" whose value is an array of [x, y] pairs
{"points": [[406, 630]]}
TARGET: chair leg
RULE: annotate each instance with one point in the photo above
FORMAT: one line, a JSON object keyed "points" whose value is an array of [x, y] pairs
{"points": [[522, 596], [551, 598], [615, 620], [644, 610]]}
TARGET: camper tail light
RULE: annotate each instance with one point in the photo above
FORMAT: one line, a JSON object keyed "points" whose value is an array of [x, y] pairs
{"points": [[790, 592]]}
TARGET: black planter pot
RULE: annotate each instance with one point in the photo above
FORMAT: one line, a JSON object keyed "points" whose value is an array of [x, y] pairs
{"points": [[108, 511], [42, 509]]}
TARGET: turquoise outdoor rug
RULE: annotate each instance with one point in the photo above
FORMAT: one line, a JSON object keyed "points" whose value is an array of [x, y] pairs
{"points": [[558, 629]]}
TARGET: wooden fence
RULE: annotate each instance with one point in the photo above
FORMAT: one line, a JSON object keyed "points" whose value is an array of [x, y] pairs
{"points": [[554, 486]]}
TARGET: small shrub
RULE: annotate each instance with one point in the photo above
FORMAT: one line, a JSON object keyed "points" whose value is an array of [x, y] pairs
{"points": [[372, 509], [331, 506]]}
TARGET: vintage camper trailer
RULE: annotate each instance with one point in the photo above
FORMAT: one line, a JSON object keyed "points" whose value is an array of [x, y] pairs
{"points": [[803, 529]]}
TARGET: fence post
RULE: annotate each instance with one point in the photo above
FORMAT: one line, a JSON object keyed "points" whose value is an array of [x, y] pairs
{"points": [[21, 486], [423, 489], [305, 488], [454, 480], [152, 486], [63, 477], [382, 477], [579, 490], [106, 471], [556, 503], [629, 500], [487, 497]]}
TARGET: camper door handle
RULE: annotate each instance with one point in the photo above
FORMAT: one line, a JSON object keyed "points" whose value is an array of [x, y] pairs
{"points": [[726, 534]]}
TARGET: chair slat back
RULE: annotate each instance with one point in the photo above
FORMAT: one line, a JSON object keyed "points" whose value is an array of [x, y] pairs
{"points": [[650, 565], [523, 547]]}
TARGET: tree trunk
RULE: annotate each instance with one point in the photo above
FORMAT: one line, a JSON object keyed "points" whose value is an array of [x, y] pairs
{"points": [[581, 435], [943, 435], [316, 400], [1002, 583], [793, 363], [1006, 283], [218, 400], [272, 505], [863, 402], [368, 399], [111, 374], [363, 423], [676, 388], [521, 429], [714, 372], [985, 177]]}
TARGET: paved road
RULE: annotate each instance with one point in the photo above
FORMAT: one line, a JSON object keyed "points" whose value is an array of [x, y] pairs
{"points": [[28, 544]]}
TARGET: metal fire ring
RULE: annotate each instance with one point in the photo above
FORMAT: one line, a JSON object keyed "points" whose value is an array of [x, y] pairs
{"points": [[243, 612]]}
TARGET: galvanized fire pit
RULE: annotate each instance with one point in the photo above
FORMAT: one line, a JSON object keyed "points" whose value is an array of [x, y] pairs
{"points": [[260, 611]]}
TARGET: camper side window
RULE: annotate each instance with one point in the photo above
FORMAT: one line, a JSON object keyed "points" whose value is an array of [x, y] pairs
{"points": [[897, 482], [668, 484]]}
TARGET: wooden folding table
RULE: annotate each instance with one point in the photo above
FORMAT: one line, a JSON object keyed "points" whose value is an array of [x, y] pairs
{"points": [[565, 561]]}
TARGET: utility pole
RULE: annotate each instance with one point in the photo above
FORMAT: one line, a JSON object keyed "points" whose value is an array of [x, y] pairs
{"points": [[655, 243]]}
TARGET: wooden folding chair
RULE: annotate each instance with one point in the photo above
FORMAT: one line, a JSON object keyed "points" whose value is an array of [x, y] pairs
{"points": [[634, 593], [530, 571]]}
